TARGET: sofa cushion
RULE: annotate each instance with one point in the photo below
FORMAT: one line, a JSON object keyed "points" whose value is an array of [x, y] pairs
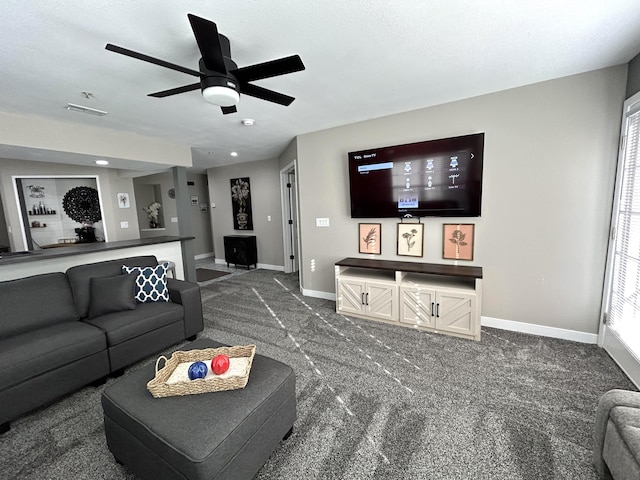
{"points": [[147, 317], [28, 355], [151, 284], [112, 294], [80, 276], [35, 302], [627, 419]]}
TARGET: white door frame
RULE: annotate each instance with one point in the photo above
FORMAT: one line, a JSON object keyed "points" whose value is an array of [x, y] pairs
{"points": [[607, 337], [291, 245]]}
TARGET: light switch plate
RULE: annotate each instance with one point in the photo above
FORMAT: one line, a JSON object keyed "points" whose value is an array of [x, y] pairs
{"points": [[124, 224], [322, 222]]}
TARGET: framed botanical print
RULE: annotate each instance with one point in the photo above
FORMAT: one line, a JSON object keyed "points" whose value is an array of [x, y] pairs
{"points": [[457, 241], [370, 238], [123, 200], [410, 239]]}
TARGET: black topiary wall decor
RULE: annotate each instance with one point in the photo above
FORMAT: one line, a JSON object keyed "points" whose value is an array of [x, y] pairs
{"points": [[82, 205]]}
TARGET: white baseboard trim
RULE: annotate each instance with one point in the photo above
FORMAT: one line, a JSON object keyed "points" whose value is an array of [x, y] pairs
{"points": [[202, 256], [318, 294], [266, 266], [540, 330]]}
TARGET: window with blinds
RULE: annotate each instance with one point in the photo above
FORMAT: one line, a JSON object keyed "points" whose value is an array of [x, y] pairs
{"points": [[624, 299]]}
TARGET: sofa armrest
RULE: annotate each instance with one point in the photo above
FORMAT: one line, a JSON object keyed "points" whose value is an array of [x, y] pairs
{"points": [[187, 294], [611, 399]]}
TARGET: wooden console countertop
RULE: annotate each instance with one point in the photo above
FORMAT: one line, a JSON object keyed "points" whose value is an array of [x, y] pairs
{"points": [[413, 267], [82, 248]]}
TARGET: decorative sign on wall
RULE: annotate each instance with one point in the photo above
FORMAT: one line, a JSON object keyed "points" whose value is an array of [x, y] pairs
{"points": [[241, 203], [82, 205], [36, 191]]}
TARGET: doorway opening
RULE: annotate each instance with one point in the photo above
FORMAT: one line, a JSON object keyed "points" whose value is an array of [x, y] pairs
{"points": [[289, 199]]}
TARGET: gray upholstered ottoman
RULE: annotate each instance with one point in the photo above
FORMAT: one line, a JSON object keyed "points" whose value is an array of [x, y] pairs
{"points": [[220, 435]]}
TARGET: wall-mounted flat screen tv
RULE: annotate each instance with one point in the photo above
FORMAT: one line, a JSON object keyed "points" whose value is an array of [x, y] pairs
{"points": [[436, 178]]}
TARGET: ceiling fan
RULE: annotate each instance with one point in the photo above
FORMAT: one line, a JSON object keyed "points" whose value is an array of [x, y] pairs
{"points": [[221, 81]]}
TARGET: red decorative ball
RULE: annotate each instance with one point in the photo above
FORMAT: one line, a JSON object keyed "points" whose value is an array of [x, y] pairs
{"points": [[220, 364]]}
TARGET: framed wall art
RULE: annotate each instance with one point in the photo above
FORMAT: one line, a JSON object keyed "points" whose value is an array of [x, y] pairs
{"points": [[370, 238], [410, 239], [457, 241], [123, 200], [241, 203]]}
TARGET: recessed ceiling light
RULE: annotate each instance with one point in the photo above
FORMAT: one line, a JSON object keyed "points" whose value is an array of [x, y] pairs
{"points": [[248, 122], [102, 162], [234, 154], [79, 108]]}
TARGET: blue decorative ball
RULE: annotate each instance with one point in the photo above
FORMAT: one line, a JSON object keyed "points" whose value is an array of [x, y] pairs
{"points": [[197, 370]]}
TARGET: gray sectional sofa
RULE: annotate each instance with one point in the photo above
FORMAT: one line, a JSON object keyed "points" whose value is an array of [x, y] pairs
{"points": [[616, 451], [62, 331]]}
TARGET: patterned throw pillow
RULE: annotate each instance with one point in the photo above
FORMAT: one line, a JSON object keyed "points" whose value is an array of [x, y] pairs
{"points": [[151, 284]]}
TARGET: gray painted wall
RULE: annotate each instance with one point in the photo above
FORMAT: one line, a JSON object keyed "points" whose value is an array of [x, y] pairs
{"points": [[200, 221], [4, 233], [633, 77], [549, 166], [265, 201], [110, 184]]}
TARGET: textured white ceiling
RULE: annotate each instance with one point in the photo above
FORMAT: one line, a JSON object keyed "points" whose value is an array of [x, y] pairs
{"points": [[364, 59]]}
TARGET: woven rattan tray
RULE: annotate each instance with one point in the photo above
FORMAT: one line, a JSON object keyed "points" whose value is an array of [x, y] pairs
{"points": [[159, 387]]}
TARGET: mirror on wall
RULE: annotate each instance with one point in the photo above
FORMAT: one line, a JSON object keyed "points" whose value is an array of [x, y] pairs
{"points": [[60, 211]]}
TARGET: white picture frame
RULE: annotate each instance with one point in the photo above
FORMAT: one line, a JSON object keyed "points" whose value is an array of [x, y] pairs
{"points": [[123, 200]]}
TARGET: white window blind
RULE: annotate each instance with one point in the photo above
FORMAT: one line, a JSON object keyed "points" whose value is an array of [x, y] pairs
{"points": [[624, 312]]}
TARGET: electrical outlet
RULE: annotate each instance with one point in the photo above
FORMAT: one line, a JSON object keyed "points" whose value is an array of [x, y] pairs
{"points": [[124, 224]]}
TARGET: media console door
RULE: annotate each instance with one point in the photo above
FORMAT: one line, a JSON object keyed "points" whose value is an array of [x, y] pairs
{"points": [[444, 310], [373, 299]]}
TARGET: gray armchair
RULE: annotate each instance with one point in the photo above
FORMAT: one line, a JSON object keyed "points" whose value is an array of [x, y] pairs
{"points": [[616, 452]]}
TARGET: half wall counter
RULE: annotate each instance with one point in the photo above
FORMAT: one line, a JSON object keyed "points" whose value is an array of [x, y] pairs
{"points": [[23, 264]]}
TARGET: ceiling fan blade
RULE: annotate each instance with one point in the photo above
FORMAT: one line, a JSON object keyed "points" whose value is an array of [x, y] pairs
{"points": [[175, 91], [206, 34], [228, 110], [147, 58], [282, 66], [265, 94]]}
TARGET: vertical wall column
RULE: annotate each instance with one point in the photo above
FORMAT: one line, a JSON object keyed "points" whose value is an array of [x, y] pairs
{"points": [[185, 227]]}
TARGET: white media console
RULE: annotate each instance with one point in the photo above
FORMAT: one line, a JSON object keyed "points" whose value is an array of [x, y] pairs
{"points": [[432, 297]]}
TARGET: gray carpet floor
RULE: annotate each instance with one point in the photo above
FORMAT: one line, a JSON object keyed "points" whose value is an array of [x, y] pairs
{"points": [[375, 401], [205, 274]]}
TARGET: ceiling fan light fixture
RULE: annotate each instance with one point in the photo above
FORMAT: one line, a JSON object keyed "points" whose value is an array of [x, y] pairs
{"points": [[221, 96], [82, 109]]}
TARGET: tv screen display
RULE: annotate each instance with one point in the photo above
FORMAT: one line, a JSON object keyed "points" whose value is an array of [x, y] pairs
{"points": [[441, 178]]}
